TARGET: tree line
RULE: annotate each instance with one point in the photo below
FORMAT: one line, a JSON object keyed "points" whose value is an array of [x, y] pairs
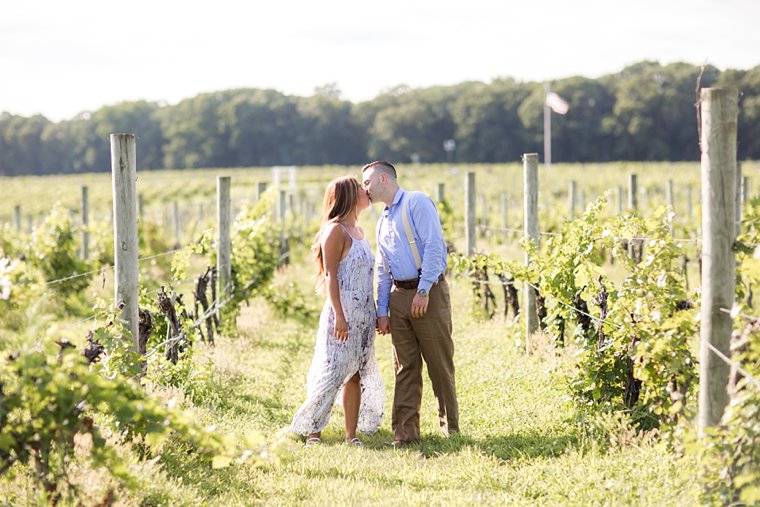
{"points": [[644, 112]]}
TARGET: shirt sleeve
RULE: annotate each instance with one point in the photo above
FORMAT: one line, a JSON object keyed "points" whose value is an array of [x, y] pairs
{"points": [[384, 280], [428, 226]]}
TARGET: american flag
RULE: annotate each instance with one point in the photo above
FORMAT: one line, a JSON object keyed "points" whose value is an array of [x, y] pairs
{"points": [[556, 103]]}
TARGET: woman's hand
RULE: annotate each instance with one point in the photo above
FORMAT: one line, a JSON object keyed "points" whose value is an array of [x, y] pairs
{"points": [[341, 328]]}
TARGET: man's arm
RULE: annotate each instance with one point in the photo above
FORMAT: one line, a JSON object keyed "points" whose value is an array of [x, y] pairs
{"points": [[428, 226]]}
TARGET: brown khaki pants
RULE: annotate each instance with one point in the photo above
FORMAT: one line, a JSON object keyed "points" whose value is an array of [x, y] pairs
{"points": [[428, 338]]}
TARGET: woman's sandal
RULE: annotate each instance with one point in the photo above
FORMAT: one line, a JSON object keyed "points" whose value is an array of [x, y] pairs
{"points": [[355, 441], [313, 441]]}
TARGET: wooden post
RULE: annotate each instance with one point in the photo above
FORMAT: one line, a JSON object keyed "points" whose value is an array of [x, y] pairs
{"points": [[504, 214], [85, 223], [633, 189], [745, 190], [140, 206], [17, 217], [124, 177], [719, 108], [572, 192], [224, 247], [530, 170], [440, 193], [469, 216], [620, 200], [282, 206], [261, 187]]}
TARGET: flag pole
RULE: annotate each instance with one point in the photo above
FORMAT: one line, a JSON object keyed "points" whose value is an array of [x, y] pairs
{"points": [[547, 129]]}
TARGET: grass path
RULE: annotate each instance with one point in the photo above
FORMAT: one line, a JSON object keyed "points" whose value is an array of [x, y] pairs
{"points": [[519, 443]]}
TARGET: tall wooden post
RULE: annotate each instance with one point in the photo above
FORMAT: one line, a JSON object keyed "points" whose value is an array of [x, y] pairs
{"points": [[633, 189], [282, 206], [469, 202], [530, 170], [124, 177], [140, 206], [261, 187], [224, 247], [85, 223], [620, 193], [440, 193], [719, 108]]}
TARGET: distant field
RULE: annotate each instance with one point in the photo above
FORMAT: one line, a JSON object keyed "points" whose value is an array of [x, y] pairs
{"points": [[36, 194], [195, 191]]}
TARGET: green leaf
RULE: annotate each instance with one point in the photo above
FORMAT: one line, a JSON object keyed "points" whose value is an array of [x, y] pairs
{"points": [[6, 441]]}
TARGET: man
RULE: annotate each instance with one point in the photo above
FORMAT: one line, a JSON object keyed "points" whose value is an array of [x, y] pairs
{"points": [[413, 301]]}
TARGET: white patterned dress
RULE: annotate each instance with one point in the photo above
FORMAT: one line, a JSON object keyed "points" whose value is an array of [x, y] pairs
{"points": [[335, 362]]}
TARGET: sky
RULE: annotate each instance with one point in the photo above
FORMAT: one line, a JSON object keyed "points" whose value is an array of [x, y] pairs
{"points": [[61, 58]]}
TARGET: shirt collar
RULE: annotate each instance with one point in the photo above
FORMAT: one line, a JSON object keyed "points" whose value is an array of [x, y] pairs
{"points": [[396, 198]]}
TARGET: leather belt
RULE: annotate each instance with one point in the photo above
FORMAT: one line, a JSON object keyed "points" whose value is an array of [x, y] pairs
{"points": [[410, 284]]}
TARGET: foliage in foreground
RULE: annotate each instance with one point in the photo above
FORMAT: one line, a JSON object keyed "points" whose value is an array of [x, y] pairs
{"points": [[634, 335]]}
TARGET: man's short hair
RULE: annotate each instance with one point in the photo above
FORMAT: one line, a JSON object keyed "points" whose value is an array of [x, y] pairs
{"points": [[383, 166]]}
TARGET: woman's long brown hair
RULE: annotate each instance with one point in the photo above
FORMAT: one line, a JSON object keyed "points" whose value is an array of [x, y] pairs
{"points": [[340, 201]]}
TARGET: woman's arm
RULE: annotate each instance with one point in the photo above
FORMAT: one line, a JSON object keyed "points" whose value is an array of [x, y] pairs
{"points": [[333, 247]]}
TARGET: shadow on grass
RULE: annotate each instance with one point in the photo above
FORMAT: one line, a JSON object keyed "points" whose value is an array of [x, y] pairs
{"points": [[504, 447], [195, 471]]}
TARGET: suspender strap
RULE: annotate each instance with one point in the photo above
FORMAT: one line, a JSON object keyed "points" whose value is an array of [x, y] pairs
{"points": [[408, 230]]}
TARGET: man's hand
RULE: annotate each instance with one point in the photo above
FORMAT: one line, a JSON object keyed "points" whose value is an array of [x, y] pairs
{"points": [[383, 325], [419, 305]]}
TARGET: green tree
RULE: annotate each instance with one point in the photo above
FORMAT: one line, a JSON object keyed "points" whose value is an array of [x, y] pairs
{"points": [[748, 84], [22, 153], [195, 136], [418, 124], [137, 117], [488, 127], [654, 111], [328, 132]]}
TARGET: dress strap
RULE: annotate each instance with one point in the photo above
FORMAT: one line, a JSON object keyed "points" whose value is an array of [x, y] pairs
{"points": [[349, 234]]}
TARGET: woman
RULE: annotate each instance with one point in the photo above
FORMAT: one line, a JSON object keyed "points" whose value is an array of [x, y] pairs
{"points": [[344, 356]]}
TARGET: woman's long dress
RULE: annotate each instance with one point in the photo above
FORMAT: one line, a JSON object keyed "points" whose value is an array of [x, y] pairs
{"points": [[335, 362]]}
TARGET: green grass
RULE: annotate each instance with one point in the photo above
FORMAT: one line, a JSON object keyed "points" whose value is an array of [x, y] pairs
{"points": [[520, 442]]}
